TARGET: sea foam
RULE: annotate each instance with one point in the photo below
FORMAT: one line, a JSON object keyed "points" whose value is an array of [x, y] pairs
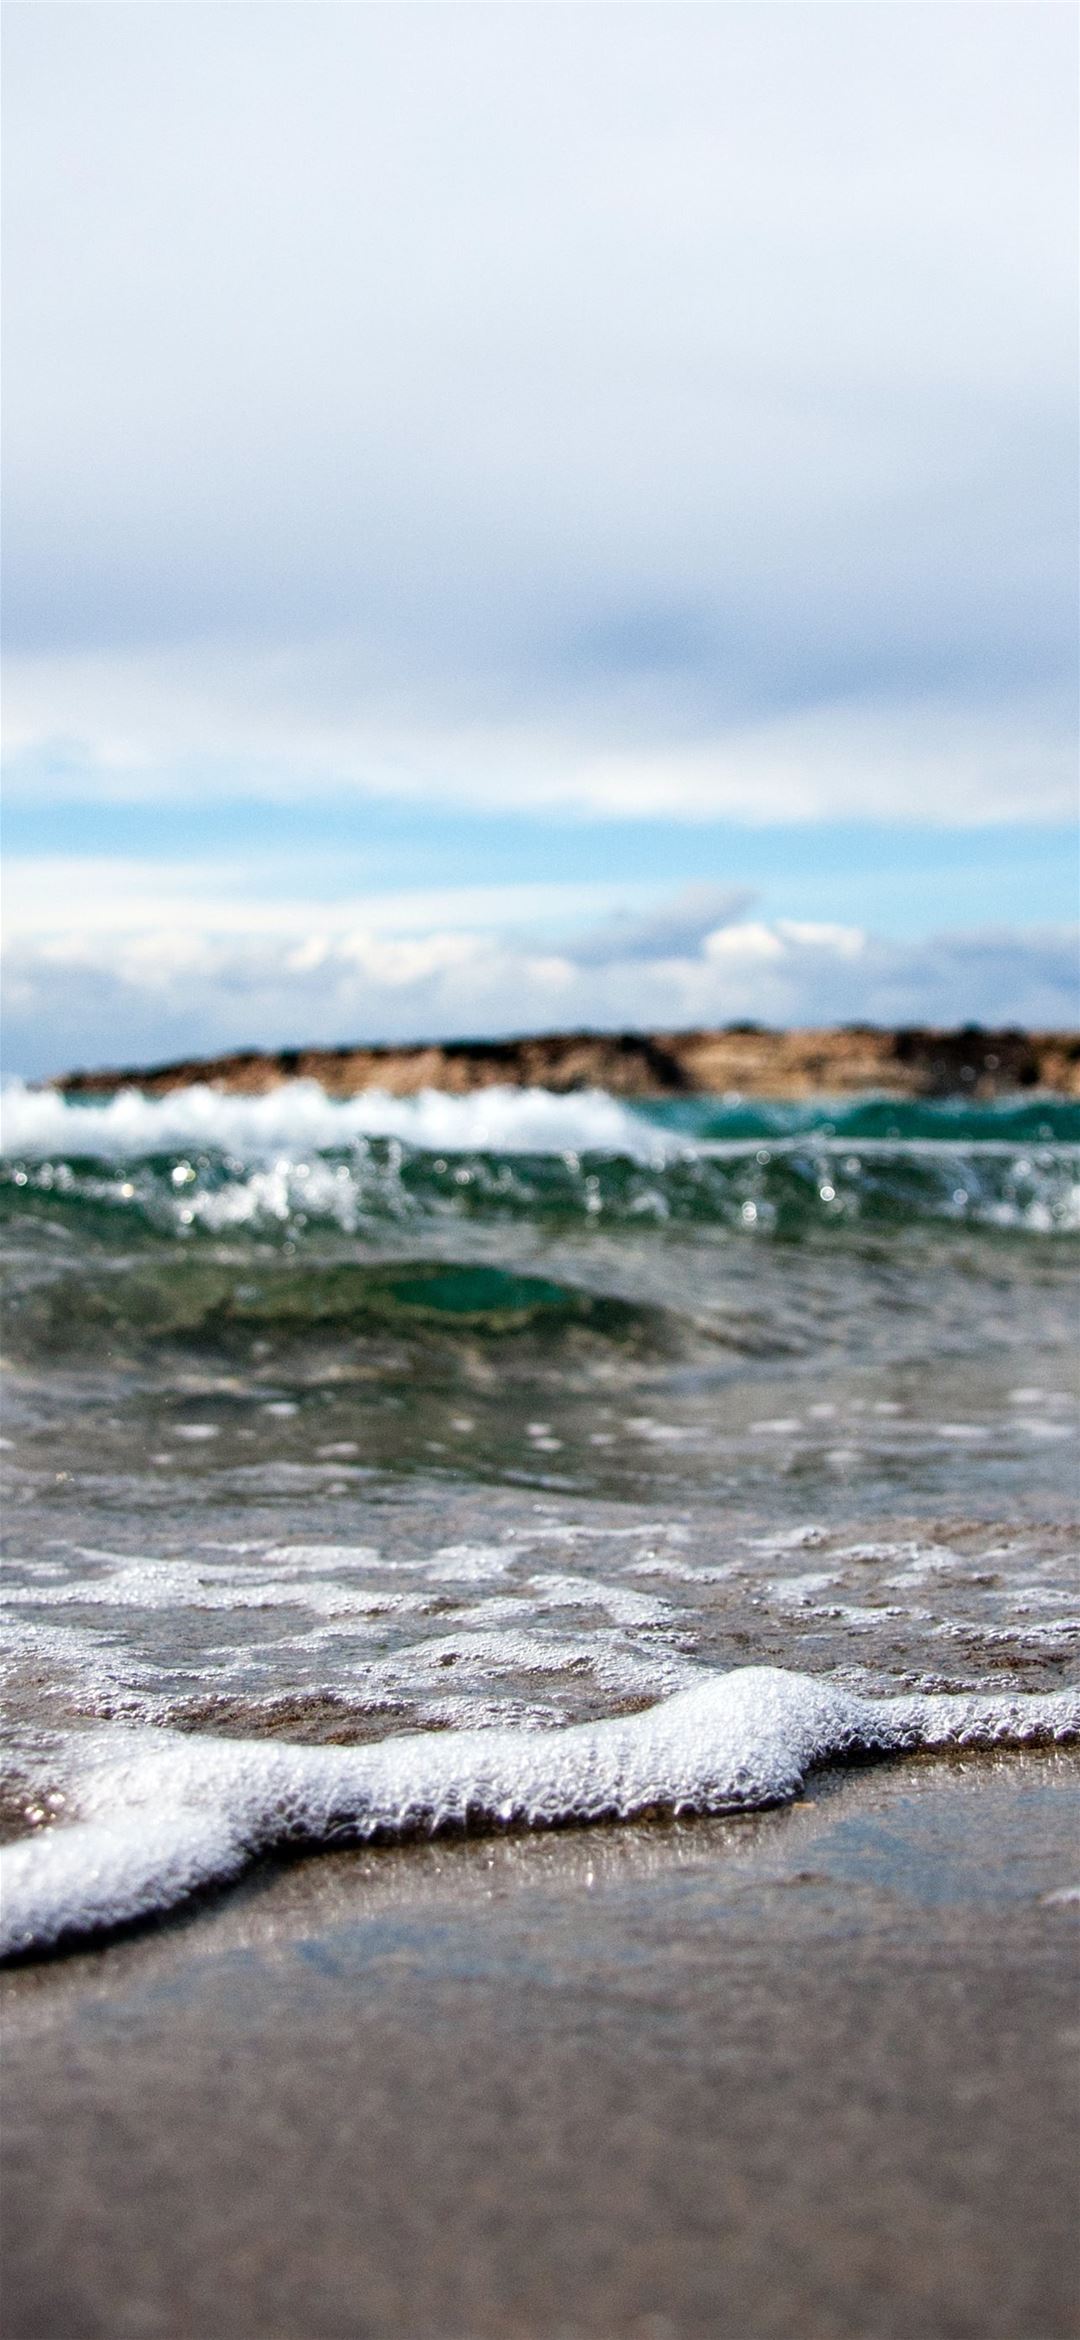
{"points": [[299, 1116], [157, 1815], [197, 1159]]}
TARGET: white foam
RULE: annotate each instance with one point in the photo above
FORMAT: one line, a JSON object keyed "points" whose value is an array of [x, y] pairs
{"points": [[272, 1145], [159, 1814], [75, 1666], [299, 1117], [171, 1585], [588, 1592], [798, 1591], [792, 1540], [470, 1563]]}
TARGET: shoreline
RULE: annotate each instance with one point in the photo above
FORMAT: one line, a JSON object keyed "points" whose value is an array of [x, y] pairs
{"points": [[906, 1062], [796, 2076]]}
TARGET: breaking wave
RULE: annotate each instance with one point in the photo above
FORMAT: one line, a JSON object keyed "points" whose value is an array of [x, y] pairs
{"points": [[295, 1163]]}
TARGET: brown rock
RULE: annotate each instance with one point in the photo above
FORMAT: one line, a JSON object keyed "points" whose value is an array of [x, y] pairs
{"points": [[915, 1061]]}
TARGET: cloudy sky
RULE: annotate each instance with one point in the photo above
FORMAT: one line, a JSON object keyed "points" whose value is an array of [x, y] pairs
{"points": [[533, 513]]}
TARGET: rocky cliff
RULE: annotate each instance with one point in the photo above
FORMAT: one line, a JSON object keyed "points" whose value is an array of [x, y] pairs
{"points": [[912, 1062]]}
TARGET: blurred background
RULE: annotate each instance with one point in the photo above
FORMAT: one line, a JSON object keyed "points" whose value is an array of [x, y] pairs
{"points": [[539, 516]]}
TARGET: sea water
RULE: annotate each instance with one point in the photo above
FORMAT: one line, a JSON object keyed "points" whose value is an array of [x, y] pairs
{"points": [[394, 1464]]}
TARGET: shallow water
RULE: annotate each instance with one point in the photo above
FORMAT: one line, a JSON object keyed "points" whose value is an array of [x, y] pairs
{"points": [[327, 1421]]}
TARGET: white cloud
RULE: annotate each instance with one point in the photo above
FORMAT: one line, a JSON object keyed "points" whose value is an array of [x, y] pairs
{"points": [[744, 943], [846, 941], [396, 961], [145, 727], [634, 410], [146, 996], [67, 897], [674, 930]]}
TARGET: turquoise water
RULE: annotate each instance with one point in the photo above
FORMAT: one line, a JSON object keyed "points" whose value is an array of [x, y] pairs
{"points": [[327, 1419]]}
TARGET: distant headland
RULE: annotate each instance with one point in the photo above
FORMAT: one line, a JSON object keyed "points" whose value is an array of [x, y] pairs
{"points": [[911, 1061]]}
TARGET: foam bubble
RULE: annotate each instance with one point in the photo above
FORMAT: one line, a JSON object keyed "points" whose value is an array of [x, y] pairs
{"points": [[160, 1814]]}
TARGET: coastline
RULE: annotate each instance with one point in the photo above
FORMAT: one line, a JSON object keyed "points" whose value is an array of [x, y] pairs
{"points": [[460, 1439], [908, 1061], [805, 2075]]}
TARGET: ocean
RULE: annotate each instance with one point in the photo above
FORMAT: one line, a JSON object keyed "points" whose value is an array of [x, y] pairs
{"points": [[388, 1466]]}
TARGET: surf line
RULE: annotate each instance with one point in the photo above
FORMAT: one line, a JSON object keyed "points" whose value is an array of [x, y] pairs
{"points": [[158, 1814]]}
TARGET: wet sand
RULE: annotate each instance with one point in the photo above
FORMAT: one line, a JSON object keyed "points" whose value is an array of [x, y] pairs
{"points": [[811, 2074]]}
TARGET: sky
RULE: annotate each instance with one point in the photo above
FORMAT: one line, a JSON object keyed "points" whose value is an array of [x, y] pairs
{"points": [[523, 513]]}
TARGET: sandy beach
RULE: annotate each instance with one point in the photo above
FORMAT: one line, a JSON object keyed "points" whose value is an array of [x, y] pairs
{"points": [[803, 2076]]}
